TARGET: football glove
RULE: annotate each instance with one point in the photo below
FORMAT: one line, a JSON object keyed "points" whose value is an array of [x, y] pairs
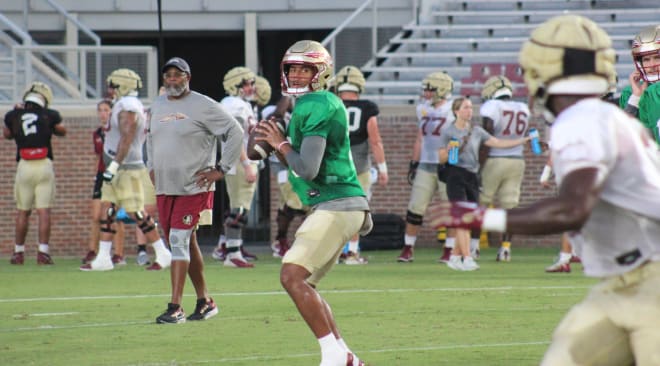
{"points": [[412, 171], [110, 171]]}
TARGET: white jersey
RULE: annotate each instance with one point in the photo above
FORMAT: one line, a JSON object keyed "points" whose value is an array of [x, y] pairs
{"points": [[623, 230], [242, 111], [510, 122], [432, 121], [129, 103]]}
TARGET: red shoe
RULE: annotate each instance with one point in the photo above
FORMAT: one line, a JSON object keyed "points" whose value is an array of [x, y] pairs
{"points": [[237, 262], [118, 260], [17, 258], [44, 259], [446, 253], [406, 254], [283, 249], [351, 360], [559, 267], [575, 259], [154, 267], [247, 255], [220, 253], [89, 257]]}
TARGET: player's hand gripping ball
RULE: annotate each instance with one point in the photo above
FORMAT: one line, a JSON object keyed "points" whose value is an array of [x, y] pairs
{"points": [[259, 150]]}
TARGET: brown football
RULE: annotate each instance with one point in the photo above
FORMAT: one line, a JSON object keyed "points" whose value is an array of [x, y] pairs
{"points": [[259, 150]]}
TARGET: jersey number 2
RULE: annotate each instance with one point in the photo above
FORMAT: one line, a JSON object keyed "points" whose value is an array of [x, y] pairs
{"points": [[29, 123]]}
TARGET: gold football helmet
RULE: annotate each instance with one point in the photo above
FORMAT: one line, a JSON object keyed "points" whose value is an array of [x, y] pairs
{"points": [[647, 43], [263, 91], [439, 82], [570, 55], [497, 86], [349, 78], [309, 53], [235, 78], [124, 81], [43, 90]]}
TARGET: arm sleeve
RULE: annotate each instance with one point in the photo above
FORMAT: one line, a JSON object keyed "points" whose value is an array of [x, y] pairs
{"points": [[312, 149]]}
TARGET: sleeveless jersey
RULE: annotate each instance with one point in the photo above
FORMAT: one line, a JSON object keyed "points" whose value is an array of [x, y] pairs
{"points": [[127, 103], [32, 127], [510, 122], [359, 113], [623, 229], [323, 114], [432, 121]]}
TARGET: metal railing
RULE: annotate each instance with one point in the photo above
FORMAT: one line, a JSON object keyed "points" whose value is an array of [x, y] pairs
{"points": [[142, 59]]}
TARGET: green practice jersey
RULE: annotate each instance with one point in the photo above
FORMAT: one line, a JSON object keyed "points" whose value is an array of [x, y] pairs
{"points": [[323, 114], [649, 107]]}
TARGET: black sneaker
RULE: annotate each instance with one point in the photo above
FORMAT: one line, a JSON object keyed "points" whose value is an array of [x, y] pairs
{"points": [[173, 315], [204, 310]]}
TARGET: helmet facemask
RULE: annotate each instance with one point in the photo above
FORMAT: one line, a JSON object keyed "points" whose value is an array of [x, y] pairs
{"points": [[124, 82], [440, 83]]}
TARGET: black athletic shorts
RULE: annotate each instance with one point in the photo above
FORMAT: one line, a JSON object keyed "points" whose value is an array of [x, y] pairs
{"points": [[462, 184]]}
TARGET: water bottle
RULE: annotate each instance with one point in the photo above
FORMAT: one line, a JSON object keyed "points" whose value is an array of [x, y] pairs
{"points": [[536, 146], [453, 151]]}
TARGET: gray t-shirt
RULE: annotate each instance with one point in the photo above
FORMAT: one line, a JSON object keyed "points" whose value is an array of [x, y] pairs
{"points": [[183, 138], [468, 158]]}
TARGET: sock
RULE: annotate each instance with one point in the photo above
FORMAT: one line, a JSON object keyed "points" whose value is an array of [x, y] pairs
{"points": [[506, 244], [354, 246], [331, 352], [104, 249], [564, 257], [142, 248], [450, 242], [474, 245], [344, 345], [441, 235], [43, 248], [410, 240], [19, 248]]}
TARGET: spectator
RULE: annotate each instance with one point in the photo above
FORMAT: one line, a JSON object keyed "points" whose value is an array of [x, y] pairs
{"points": [[326, 181], [364, 136], [31, 125], [184, 130], [462, 180], [607, 170]]}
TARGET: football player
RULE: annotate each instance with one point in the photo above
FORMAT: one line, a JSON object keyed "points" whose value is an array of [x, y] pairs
{"points": [[434, 115], [363, 132], [125, 171], [241, 180], [607, 169], [32, 125], [502, 173], [325, 179], [642, 97]]}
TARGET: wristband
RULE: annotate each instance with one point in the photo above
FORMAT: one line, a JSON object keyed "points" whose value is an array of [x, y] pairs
{"points": [[494, 220], [545, 174], [382, 167], [112, 167], [279, 146], [633, 100]]}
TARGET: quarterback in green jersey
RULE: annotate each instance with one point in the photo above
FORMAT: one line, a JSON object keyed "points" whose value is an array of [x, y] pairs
{"points": [[322, 174], [642, 97]]}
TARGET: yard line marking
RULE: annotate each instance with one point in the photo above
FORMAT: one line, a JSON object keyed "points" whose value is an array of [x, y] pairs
{"points": [[278, 293], [45, 314], [388, 350]]}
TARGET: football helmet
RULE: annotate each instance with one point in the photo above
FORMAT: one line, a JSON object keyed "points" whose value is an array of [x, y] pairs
{"points": [[439, 82], [349, 78], [263, 91], [309, 53], [497, 86], [43, 97], [567, 54], [235, 79], [124, 82], [647, 43]]}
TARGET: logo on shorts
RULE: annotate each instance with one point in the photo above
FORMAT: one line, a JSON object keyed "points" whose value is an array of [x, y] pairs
{"points": [[187, 220]]}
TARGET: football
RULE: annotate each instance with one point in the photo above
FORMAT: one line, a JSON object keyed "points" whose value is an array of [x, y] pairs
{"points": [[259, 150]]}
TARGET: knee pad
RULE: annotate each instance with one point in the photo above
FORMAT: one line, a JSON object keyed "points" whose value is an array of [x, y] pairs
{"points": [[106, 224], [144, 222], [237, 218], [180, 244], [414, 219]]}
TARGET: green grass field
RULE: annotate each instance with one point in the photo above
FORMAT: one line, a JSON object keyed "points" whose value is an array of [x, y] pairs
{"points": [[390, 313]]}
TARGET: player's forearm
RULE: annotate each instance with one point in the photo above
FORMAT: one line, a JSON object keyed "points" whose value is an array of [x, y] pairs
{"points": [[312, 149]]}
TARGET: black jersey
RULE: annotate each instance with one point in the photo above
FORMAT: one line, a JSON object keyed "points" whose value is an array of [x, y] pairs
{"points": [[32, 128], [359, 112]]}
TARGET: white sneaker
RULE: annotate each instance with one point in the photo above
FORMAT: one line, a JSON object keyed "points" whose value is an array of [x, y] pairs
{"points": [[469, 264], [503, 255], [455, 263], [142, 258], [354, 259], [99, 263]]}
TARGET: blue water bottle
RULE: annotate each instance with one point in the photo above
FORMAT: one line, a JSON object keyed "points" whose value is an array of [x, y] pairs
{"points": [[536, 145], [453, 151]]}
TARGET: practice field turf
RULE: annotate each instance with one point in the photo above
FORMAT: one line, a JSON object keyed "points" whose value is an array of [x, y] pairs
{"points": [[420, 313]]}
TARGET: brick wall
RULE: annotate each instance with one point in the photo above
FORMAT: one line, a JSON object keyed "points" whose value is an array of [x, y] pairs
{"points": [[75, 168]]}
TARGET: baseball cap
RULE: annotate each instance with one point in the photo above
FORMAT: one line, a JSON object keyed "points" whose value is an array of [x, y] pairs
{"points": [[177, 62]]}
